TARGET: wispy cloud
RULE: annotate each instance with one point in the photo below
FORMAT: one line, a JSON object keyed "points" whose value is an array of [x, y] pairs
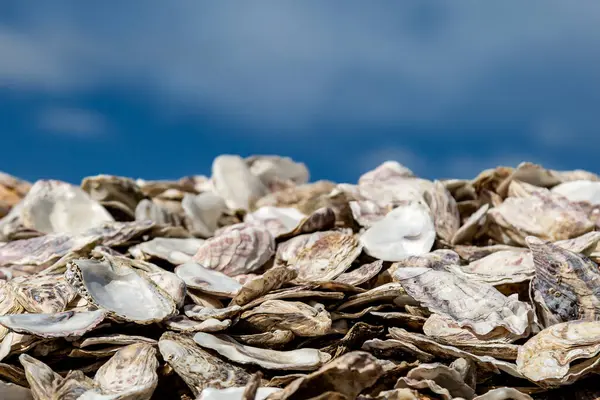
{"points": [[72, 122], [296, 64]]}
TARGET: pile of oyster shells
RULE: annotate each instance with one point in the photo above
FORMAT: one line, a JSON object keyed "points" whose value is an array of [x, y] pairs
{"points": [[258, 284]]}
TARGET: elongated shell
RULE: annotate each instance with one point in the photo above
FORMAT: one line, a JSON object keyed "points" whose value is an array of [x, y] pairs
{"points": [[300, 359]]}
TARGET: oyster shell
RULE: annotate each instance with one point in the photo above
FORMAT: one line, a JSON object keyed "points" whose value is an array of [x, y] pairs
{"points": [[445, 211], [234, 182], [325, 257], [440, 379], [130, 373], [64, 324], [478, 306], [207, 280], [471, 227], [367, 212], [200, 313], [182, 323], [566, 285], [347, 375], [385, 293], [15, 392], [38, 253], [274, 170], [300, 318], [579, 191], [270, 339], [174, 250], [239, 250], [236, 393], [198, 368], [405, 231], [122, 291], [388, 170], [546, 358], [543, 214], [434, 348], [114, 193], [203, 212], [147, 210], [361, 274], [501, 267], [58, 207], [272, 279], [12, 190], [298, 360], [114, 339], [43, 293]]}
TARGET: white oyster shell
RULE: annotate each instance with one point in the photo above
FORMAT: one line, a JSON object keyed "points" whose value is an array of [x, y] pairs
{"points": [[174, 250], [234, 182], [300, 360], [123, 292], [59, 207], [203, 212], [580, 191], [407, 230]]}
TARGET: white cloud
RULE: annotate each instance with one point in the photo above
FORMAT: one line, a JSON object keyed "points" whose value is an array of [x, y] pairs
{"points": [[295, 64], [72, 122]]}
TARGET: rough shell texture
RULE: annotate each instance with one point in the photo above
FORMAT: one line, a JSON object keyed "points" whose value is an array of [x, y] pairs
{"points": [[546, 358], [197, 367], [478, 306], [325, 258], [566, 285], [238, 250]]}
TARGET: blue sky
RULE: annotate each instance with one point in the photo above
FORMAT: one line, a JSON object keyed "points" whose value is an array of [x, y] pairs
{"points": [[155, 90]]}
